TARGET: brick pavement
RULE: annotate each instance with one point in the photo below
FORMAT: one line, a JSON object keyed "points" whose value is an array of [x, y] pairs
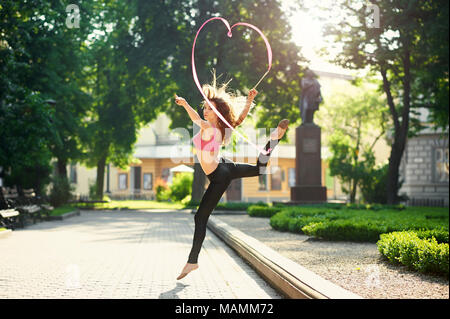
{"points": [[122, 254]]}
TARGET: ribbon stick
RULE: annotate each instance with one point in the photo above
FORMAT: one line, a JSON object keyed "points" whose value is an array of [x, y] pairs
{"points": [[194, 71]]}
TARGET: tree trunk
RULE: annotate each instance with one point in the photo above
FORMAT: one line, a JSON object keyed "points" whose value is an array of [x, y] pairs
{"points": [[61, 167], [395, 158], [3, 204], [392, 182], [401, 132], [354, 184], [100, 177]]}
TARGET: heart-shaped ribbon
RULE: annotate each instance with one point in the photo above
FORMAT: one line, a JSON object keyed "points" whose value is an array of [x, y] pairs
{"points": [[194, 71]]}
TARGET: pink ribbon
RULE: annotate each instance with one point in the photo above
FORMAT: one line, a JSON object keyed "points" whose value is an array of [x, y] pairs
{"points": [[194, 71]]}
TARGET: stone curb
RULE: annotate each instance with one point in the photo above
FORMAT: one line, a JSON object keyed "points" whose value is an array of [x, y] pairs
{"points": [[288, 277], [5, 233], [65, 216]]}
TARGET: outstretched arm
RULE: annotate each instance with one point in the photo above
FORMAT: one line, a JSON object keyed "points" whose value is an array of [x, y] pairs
{"points": [[192, 113], [250, 98]]}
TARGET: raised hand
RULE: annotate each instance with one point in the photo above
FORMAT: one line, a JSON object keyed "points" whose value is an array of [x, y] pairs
{"points": [[180, 101], [252, 94]]}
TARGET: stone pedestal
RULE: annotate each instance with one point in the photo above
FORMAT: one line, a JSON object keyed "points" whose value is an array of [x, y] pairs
{"points": [[308, 166]]}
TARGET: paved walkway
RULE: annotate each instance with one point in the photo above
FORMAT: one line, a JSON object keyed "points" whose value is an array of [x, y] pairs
{"points": [[122, 254]]}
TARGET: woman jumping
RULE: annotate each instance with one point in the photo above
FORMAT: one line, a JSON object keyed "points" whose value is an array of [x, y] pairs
{"points": [[219, 170]]}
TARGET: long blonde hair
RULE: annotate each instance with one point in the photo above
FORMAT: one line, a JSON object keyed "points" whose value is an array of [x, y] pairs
{"points": [[229, 104]]}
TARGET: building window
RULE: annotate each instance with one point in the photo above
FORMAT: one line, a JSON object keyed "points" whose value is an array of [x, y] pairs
{"points": [[262, 182], [123, 181], [276, 177], [441, 165], [165, 174], [73, 174], [291, 177], [148, 181]]}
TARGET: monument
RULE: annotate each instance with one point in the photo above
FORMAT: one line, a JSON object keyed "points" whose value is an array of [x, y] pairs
{"points": [[308, 165]]}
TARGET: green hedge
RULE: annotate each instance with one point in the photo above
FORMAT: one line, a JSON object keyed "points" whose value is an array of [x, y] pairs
{"points": [[263, 211], [229, 206], [359, 225], [421, 254], [415, 237], [346, 229]]}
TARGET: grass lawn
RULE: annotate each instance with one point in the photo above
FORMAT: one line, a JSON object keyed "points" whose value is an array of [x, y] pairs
{"points": [[63, 209], [133, 204], [151, 204]]}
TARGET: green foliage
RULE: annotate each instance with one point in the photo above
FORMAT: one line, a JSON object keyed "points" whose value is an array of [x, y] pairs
{"points": [[162, 193], [263, 211], [373, 184], [181, 186], [355, 121], [40, 60], [407, 52], [346, 229], [360, 224], [61, 191], [242, 206], [25, 136], [186, 201], [418, 252], [441, 235], [236, 206]]}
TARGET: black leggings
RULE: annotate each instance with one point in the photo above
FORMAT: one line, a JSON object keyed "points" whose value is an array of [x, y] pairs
{"points": [[220, 179]]}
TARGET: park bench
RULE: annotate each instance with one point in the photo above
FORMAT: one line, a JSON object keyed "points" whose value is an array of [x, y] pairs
{"points": [[45, 208], [27, 209], [10, 218]]}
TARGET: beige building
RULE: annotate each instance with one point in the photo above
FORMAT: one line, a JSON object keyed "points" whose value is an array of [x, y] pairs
{"points": [[159, 150], [425, 167]]}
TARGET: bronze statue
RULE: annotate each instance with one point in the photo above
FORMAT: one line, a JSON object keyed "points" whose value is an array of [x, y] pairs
{"points": [[311, 96]]}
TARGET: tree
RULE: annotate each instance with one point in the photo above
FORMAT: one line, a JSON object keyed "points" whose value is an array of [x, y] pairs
{"points": [[126, 91], [354, 121], [49, 60], [395, 51], [26, 119], [25, 125]]}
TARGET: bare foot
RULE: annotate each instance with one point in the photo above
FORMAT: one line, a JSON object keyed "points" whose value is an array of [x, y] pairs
{"points": [[280, 130], [187, 269]]}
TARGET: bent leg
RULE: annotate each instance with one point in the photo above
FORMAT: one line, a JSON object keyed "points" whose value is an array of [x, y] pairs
{"points": [[264, 159], [208, 203], [239, 170]]}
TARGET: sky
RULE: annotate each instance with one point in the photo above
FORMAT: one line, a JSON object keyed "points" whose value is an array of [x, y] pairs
{"points": [[307, 33]]}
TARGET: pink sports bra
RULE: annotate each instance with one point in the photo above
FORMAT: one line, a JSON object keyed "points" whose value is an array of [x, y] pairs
{"points": [[211, 145]]}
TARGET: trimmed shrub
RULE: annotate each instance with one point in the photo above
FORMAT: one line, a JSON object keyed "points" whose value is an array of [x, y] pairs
{"points": [[238, 206], [286, 220], [263, 211], [441, 235], [346, 229], [162, 193], [61, 191], [407, 248], [360, 225], [181, 186]]}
